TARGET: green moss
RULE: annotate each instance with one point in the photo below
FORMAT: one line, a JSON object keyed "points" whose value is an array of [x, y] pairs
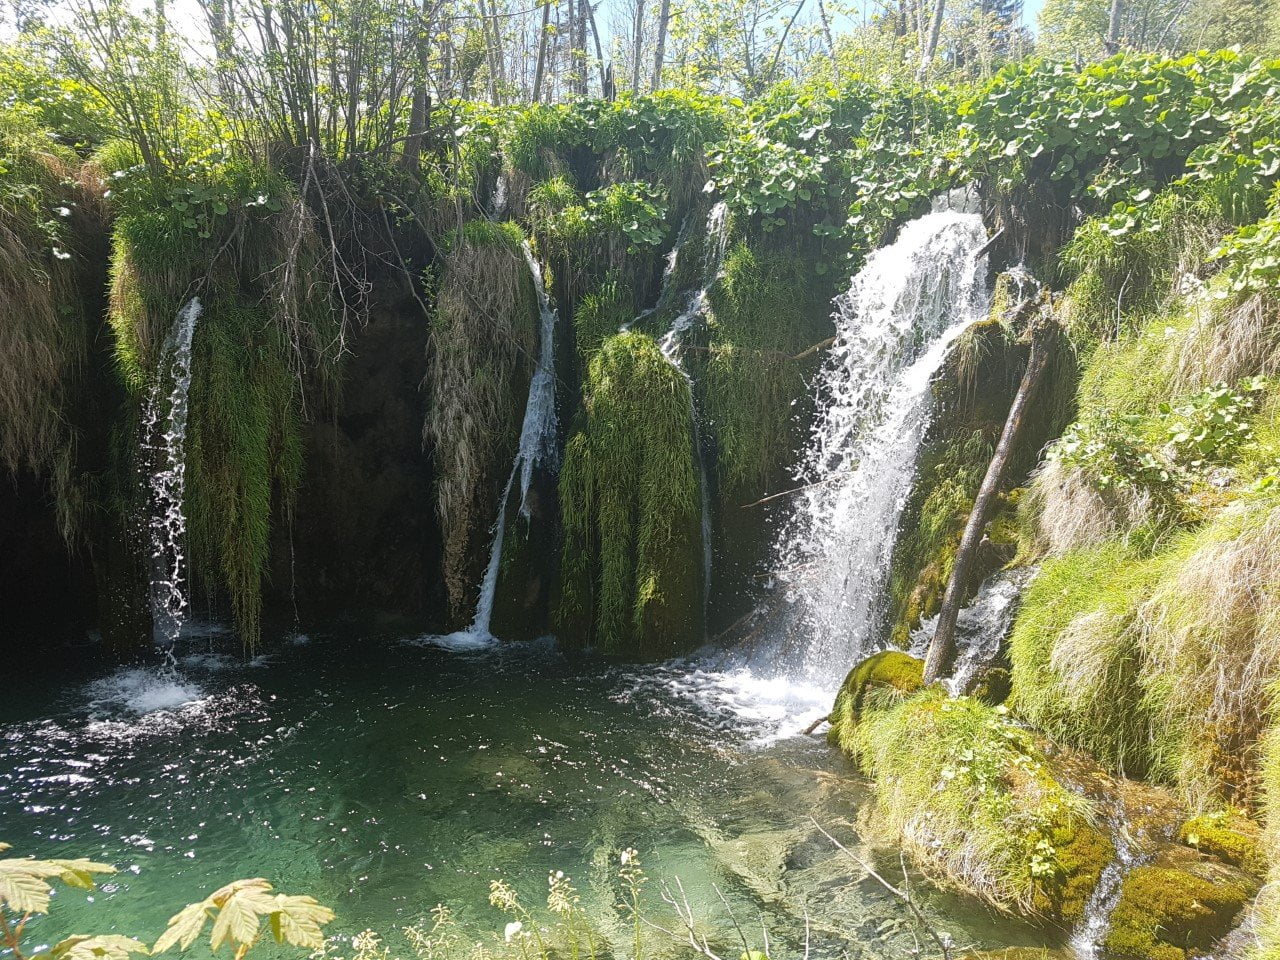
{"points": [[244, 451], [1228, 835], [599, 316], [632, 578], [889, 673], [969, 794], [768, 308], [1174, 909], [265, 341]]}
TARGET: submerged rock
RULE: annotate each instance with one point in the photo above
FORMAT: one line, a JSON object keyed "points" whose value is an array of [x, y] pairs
{"points": [[1177, 906]]}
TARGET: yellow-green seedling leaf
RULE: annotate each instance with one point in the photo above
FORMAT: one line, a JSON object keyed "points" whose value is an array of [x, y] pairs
{"points": [[108, 947], [184, 927], [24, 883], [298, 920]]}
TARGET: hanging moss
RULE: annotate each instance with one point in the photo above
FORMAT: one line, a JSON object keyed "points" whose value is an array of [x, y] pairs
{"points": [[632, 556], [244, 451], [972, 798], [49, 213], [768, 308], [267, 343], [480, 352]]}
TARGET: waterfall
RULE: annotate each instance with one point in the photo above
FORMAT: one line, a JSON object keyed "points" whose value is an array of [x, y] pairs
{"points": [[981, 627], [894, 327], [164, 430], [671, 346], [537, 448]]}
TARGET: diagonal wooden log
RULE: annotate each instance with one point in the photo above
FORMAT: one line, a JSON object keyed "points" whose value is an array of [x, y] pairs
{"points": [[942, 649]]}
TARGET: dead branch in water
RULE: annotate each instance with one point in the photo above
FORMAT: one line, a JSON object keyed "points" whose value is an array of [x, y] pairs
{"points": [[942, 940]]}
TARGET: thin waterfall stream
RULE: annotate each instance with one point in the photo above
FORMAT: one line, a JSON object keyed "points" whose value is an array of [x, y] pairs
{"points": [[537, 449], [164, 429], [671, 344]]}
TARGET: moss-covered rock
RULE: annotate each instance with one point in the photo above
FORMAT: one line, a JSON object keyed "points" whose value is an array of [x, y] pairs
{"points": [[1176, 907], [631, 573], [1228, 835], [889, 673], [973, 798]]}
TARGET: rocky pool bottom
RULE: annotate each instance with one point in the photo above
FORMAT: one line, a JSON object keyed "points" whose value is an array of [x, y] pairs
{"points": [[384, 774]]}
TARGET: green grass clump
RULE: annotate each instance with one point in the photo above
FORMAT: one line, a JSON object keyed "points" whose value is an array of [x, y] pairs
{"points": [[969, 794], [1076, 657], [632, 578], [599, 316]]}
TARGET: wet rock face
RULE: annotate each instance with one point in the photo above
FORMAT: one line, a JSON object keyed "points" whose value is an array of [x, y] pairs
{"points": [[1176, 907], [364, 532]]}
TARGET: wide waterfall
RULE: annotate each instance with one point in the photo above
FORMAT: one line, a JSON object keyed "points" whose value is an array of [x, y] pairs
{"points": [[537, 449], [894, 326], [164, 431]]}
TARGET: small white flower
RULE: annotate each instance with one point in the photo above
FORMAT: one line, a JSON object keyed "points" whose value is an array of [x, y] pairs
{"points": [[512, 930]]}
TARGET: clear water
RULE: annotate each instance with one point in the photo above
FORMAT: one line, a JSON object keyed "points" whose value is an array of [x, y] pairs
{"points": [[382, 776]]}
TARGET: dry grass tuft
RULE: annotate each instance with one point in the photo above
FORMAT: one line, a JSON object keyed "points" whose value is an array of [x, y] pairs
{"points": [[478, 358]]}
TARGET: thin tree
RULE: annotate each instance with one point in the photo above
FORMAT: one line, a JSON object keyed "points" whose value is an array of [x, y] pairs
{"points": [[543, 34], [1113, 28], [639, 48], [931, 44], [663, 18], [942, 649]]}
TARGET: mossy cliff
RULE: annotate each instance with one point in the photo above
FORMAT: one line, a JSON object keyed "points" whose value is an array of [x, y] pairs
{"points": [[632, 571], [481, 352]]}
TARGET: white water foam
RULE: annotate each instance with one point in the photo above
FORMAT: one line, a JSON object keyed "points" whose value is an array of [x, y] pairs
{"points": [[142, 690]]}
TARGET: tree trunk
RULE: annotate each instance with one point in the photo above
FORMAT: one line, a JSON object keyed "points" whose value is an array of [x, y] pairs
{"points": [[1113, 28], [639, 48], [931, 45], [420, 111], [663, 18], [605, 72], [540, 69], [826, 29], [942, 650]]}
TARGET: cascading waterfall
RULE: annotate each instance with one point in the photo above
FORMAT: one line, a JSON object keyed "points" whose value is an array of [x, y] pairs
{"points": [[164, 427], [981, 628], [537, 449], [672, 341], [895, 324]]}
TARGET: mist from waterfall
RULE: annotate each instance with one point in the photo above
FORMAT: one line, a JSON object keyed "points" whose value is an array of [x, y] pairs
{"points": [[164, 432]]}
